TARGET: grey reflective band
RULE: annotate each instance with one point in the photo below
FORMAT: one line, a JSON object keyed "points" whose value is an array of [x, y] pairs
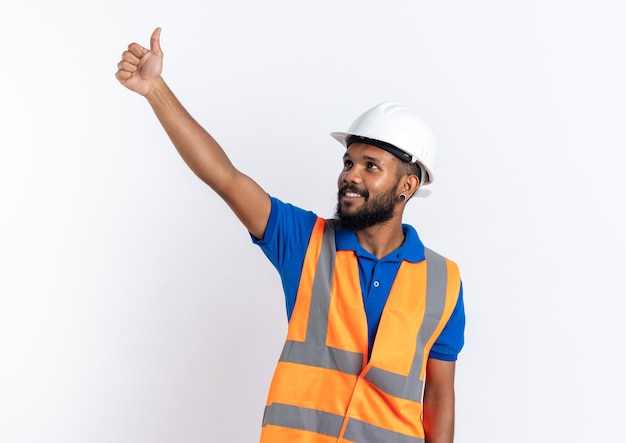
{"points": [[313, 420], [362, 432], [306, 419], [317, 327], [409, 388], [436, 288], [322, 357]]}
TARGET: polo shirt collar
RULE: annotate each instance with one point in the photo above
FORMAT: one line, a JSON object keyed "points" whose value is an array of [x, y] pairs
{"points": [[411, 250]]}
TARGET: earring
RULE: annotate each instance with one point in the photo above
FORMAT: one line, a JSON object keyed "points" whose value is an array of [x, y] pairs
{"points": [[401, 198]]}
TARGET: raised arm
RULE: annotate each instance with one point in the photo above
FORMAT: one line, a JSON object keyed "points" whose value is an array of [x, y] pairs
{"points": [[140, 71]]}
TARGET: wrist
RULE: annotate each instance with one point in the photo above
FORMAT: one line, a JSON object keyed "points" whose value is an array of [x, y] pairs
{"points": [[156, 89]]}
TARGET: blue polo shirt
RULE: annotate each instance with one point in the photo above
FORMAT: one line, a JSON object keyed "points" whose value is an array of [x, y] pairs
{"points": [[285, 243]]}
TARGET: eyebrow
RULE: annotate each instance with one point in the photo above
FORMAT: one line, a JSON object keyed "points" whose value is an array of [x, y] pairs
{"points": [[374, 159], [365, 157]]}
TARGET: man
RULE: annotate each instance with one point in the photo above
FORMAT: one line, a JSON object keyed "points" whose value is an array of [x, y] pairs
{"points": [[376, 320]]}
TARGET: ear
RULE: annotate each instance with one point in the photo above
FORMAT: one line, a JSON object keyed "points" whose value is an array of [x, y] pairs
{"points": [[409, 185]]}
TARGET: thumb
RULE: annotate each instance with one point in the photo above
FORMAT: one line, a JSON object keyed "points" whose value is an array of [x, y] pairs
{"points": [[155, 44]]}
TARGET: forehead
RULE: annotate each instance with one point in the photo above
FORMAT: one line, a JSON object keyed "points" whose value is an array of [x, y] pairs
{"points": [[360, 150]]}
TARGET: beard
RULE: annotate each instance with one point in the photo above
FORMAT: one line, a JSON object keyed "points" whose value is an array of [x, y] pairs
{"points": [[375, 211]]}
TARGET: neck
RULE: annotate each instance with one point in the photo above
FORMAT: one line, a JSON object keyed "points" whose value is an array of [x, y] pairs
{"points": [[383, 238]]}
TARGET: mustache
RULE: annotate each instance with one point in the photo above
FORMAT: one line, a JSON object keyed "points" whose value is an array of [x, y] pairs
{"points": [[352, 188]]}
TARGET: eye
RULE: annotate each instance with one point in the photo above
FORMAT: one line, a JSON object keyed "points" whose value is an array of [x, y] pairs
{"points": [[371, 165], [347, 164]]}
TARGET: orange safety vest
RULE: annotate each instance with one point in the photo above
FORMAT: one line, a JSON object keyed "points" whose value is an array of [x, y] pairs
{"points": [[324, 390]]}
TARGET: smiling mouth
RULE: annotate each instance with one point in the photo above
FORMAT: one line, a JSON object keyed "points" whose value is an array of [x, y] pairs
{"points": [[351, 199], [348, 193]]}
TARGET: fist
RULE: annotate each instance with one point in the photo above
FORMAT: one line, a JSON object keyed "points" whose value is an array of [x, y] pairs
{"points": [[140, 68]]}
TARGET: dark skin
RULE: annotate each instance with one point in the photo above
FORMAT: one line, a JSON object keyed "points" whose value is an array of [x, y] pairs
{"points": [[366, 167], [438, 402]]}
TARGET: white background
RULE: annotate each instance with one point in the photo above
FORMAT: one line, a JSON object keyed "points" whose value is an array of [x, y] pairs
{"points": [[133, 306]]}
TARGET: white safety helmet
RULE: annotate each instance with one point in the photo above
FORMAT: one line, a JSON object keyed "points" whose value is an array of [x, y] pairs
{"points": [[396, 129]]}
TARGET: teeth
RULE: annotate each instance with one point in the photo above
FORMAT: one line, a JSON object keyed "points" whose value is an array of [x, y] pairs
{"points": [[352, 194]]}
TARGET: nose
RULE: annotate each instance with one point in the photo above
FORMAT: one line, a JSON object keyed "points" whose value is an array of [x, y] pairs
{"points": [[350, 176]]}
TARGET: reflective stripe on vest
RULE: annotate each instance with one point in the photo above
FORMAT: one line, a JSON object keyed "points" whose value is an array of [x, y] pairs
{"points": [[307, 358]]}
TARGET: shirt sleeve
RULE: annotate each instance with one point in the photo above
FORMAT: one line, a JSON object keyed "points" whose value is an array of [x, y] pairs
{"points": [[285, 243], [451, 340]]}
